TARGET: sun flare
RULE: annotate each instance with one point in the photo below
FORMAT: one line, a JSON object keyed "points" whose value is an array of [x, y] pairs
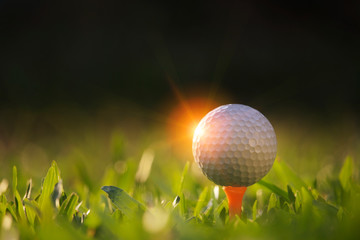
{"points": [[183, 122]]}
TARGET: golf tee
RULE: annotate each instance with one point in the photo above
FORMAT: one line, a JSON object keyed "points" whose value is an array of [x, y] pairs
{"points": [[235, 196]]}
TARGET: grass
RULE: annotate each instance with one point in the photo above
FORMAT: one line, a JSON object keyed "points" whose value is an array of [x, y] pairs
{"points": [[299, 211], [161, 197]]}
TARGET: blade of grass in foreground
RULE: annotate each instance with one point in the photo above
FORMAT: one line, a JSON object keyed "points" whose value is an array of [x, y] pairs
{"points": [[275, 189], [254, 210], [14, 181], [67, 209], [346, 174], [201, 202], [19, 206], [123, 201], [32, 211], [287, 175], [3, 204], [273, 202], [52, 177], [181, 184]]}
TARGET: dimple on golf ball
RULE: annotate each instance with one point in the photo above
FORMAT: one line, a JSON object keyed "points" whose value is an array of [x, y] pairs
{"points": [[234, 145]]}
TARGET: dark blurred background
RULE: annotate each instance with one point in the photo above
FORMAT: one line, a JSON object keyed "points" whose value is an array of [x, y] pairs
{"points": [[298, 56]]}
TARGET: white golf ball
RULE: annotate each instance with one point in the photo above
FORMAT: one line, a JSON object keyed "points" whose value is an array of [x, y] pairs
{"points": [[234, 145]]}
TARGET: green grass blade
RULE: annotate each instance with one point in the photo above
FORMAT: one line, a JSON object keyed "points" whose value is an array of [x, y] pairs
{"points": [[287, 175], [220, 211], [307, 202], [32, 211], [3, 204], [52, 177], [220, 207], [254, 210], [298, 201], [184, 172], [56, 169], [273, 202], [19, 206], [201, 202], [28, 189], [12, 210], [183, 206], [68, 208], [291, 194], [14, 181], [123, 201], [275, 189], [346, 174]]}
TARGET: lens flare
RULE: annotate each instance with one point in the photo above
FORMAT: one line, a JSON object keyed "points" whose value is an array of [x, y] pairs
{"points": [[182, 122]]}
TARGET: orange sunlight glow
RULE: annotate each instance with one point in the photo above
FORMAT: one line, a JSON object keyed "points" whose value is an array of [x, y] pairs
{"points": [[183, 120]]}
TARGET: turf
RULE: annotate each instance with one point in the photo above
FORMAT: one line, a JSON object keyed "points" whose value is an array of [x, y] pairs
{"points": [[152, 194]]}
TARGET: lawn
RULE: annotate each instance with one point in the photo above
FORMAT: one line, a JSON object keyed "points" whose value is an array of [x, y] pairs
{"points": [[106, 176]]}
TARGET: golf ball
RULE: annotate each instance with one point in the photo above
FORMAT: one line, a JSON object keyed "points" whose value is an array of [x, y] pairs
{"points": [[234, 145]]}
